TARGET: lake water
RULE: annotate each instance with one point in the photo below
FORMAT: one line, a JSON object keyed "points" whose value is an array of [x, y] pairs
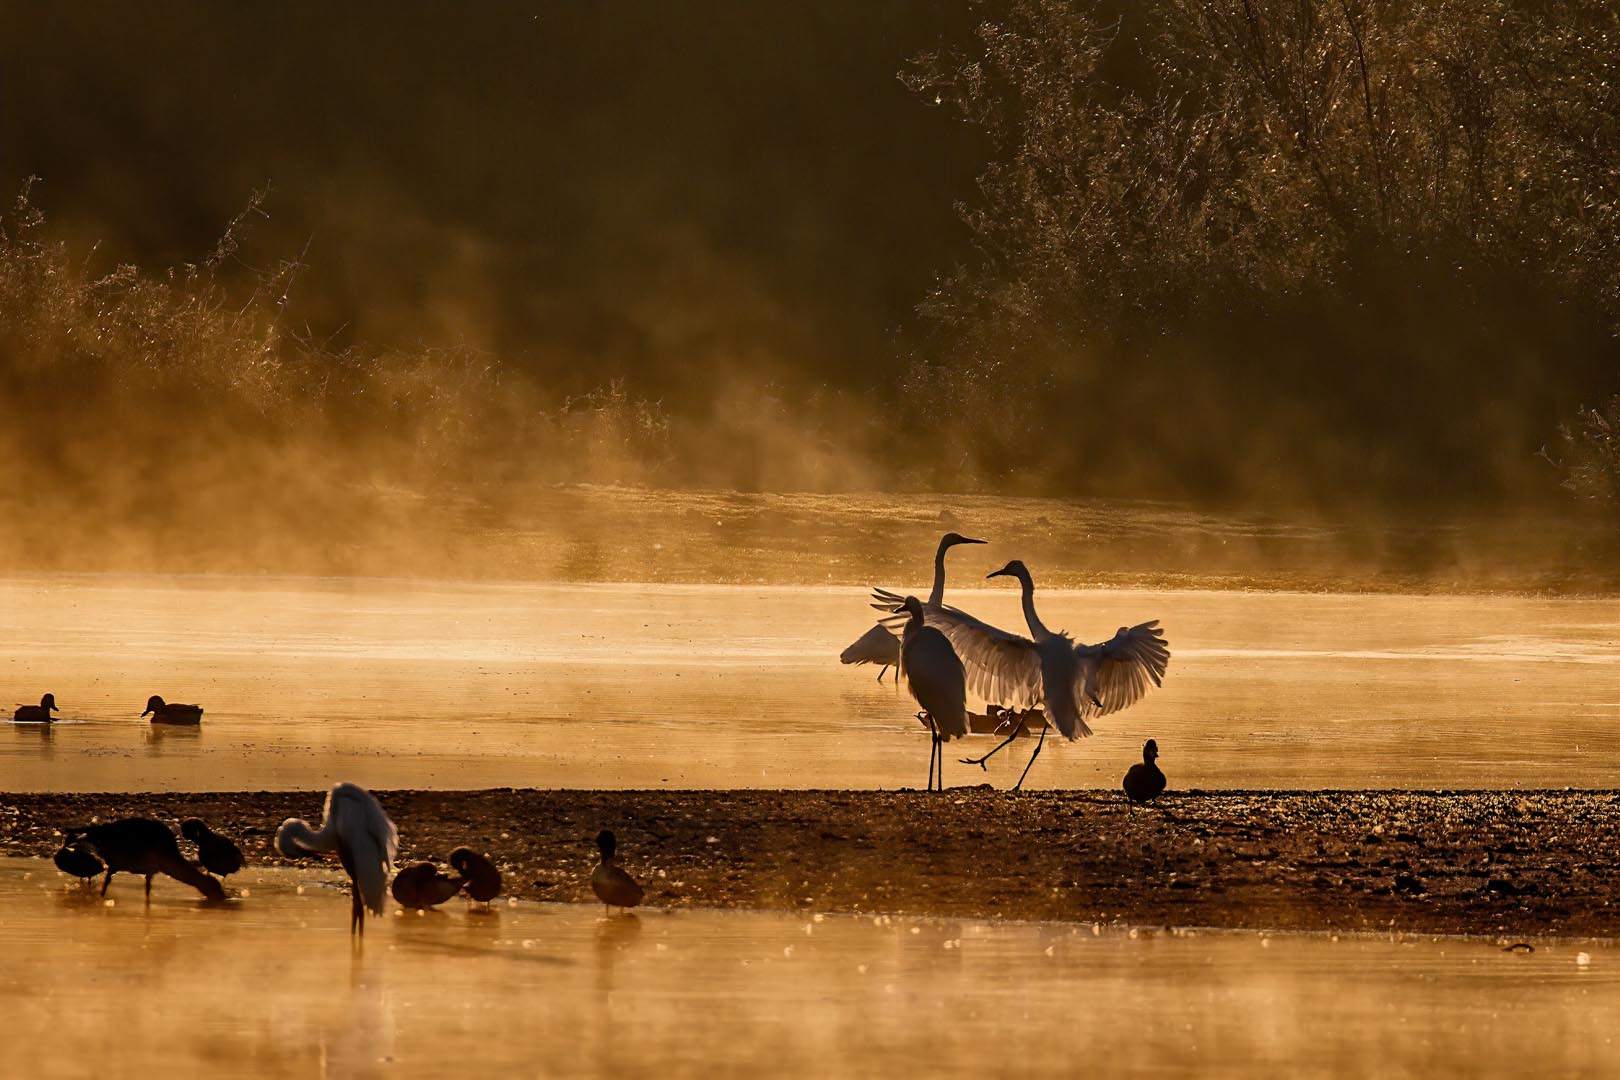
{"points": [[438, 684], [270, 984]]}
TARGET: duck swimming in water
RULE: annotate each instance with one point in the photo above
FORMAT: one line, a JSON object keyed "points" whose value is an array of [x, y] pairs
{"points": [[164, 713], [146, 847], [36, 714], [218, 854], [74, 861], [419, 887], [483, 879], [609, 882], [1144, 782]]}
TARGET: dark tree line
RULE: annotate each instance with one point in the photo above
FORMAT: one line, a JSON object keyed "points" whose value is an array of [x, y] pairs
{"points": [[1314, 249]]}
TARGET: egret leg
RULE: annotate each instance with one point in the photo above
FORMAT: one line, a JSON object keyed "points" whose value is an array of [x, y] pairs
{"points": [[106, 881], [148, 888], [882, 672], [933, 752], [1018, 727], [1038, 743], [938, 755]]}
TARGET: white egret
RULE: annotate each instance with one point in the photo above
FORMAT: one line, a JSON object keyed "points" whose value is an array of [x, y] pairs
{"points": [[936, 680], [354, 825], [609, 881], [881, 645], [1144, 781], [1072, 681], [146, 847]]}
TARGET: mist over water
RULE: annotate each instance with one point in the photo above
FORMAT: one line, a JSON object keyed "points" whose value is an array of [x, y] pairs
{"points": [[739, 253]]}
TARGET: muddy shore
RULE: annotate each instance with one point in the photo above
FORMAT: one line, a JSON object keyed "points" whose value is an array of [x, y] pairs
{"points": [[1508, 864]]}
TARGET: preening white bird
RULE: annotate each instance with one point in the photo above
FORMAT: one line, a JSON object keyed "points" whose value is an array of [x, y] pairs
{"points": [[1072, 681], [936, 680], [354, 825], [881, 645]]}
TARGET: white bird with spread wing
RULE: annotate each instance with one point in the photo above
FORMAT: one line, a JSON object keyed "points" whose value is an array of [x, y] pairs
{"points": [[881, 644], [1073, 681]]}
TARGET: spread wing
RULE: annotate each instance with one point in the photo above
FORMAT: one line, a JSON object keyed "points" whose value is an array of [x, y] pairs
{"points": [[1002, 668], [1118, 673]]}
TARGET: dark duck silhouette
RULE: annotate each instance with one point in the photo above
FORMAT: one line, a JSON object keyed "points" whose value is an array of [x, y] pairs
{"points": [[609, 882], [164, 713], [75, 861], [219, 854], [36, 714], [483, 879], [1144, 782], [146, 847], [419, 887]]}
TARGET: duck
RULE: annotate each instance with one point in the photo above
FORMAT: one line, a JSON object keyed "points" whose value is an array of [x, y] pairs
{"points": [[75, 861], [1144, 782], [609, 882], [483, 879], [419, 887], [218, 854], [164, 713], [36, 714], [146, 847]]}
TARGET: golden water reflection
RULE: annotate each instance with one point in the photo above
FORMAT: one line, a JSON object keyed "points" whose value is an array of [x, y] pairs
{"points": [[271, 985]]}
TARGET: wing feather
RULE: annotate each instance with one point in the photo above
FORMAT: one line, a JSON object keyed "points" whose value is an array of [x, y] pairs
{"points": [[1117, 673], [1002, 668]]}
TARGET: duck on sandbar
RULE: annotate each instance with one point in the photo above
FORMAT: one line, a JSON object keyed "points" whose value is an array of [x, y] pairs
{"points": [[75, 861], [218, 853], [1144, 782], [482, 877], [419, 887], [609, 882]]}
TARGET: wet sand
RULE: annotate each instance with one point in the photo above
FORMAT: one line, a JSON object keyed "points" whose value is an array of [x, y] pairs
{"points": [[1505, 864]]}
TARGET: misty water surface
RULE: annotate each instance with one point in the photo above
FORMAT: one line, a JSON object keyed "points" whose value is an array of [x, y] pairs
{"points": [[271, 984], [451, 685]]}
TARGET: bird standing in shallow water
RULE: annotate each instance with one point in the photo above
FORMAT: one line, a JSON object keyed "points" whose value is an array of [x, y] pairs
{"points": [[146, 847], [36, 714], [354, 825], [879, 645], [75, 861], [609, 882], [936, 680], [419, 887], [1144, 782], [483, 879], [218, 854], [164, 713]]}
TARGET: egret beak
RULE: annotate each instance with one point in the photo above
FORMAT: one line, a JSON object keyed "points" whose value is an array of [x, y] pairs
{"points": [[998, 573], [966, 540]]}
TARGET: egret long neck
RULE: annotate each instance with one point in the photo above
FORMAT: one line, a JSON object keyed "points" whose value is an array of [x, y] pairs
{"points": [[1037, 629], [936, 595]]}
